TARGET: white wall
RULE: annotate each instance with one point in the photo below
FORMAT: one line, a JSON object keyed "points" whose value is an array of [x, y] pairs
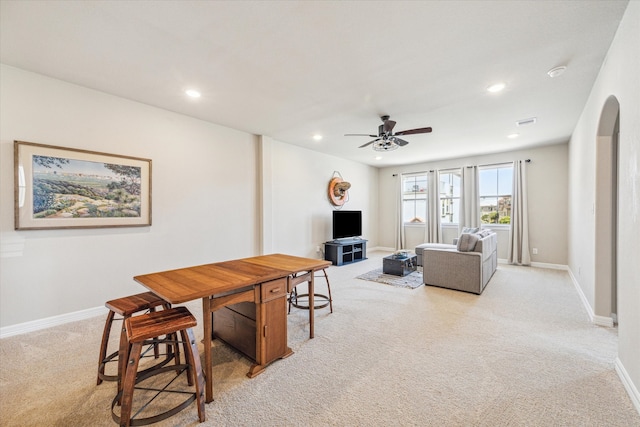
{"points": [[300, 206], [618, 77], [208, 201], [547, 185], [204, 197]]}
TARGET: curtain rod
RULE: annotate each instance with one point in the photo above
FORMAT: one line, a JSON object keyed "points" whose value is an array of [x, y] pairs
{"points": [[413, 173], [498, 164], [488, 164]]}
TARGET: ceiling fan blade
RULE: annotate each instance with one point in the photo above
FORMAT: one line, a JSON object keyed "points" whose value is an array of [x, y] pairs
{"points": [[400, 142], [414, 131], [369, 143], [388, 126], [360, 134]]}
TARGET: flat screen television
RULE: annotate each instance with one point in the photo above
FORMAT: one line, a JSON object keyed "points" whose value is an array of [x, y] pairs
{"points": [[347, 224]]}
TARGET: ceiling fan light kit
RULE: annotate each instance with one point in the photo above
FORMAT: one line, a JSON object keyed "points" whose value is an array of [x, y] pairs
{"points": [[387, 145], [386, 140]]}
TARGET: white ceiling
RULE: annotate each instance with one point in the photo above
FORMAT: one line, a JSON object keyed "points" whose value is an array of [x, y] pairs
{"points": [[290, 69]]}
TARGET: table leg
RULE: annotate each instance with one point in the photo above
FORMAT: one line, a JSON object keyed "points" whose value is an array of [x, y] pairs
{"points": [[311, 304], [208, 363]]}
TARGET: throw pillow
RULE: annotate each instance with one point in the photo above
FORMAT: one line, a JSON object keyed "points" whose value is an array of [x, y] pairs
{"points": [[484, 233], [470, 230], [467, 242]]}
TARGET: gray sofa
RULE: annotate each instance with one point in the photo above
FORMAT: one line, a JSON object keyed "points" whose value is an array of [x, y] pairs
{"points": [[467, 266]]}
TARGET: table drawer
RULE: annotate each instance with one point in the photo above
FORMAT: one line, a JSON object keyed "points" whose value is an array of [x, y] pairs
{"points": [[273, 289]]}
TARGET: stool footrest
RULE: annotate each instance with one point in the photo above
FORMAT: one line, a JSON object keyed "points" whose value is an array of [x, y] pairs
{"points": [[143, 375], [137, 333], [302, 301]]}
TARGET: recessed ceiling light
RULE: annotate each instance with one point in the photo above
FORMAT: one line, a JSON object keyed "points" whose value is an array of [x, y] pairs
{"points": [[496, 87], [193, 93], [317, 137], [513, 135], [555, 72]]}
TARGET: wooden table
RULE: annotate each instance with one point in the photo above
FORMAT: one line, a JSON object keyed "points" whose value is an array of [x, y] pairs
{"points": [[263, 280]]}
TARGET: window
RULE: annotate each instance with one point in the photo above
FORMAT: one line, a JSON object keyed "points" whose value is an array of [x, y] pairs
{"points": [[449, 197], [414, 198], [495, 194]]}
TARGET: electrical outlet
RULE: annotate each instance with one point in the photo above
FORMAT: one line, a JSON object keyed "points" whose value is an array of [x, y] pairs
{"points": [[317, 248], [535, 251]]}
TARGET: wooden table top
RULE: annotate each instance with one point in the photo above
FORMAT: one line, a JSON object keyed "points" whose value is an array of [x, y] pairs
{"points": [[290, 263], [190, 283]]}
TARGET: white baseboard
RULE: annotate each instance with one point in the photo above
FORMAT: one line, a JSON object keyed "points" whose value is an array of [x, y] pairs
{"points": [[632, 391], [538, 264], [381, 248], [550, 266], [48, 322], [607, 322]]}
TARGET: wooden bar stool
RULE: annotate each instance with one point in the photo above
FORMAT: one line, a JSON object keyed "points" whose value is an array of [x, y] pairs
{"points": [[125, 307], [319, 300], [140, 329]]}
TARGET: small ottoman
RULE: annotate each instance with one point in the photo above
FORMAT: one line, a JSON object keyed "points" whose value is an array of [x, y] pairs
{"points": [[399, 266]]}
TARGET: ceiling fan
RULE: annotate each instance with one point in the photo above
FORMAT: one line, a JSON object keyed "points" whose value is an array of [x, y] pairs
{"points": [[386, 140]]}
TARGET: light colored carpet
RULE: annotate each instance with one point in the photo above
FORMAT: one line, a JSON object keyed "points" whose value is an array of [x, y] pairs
{"points": [[411, 281], [521, 354]]}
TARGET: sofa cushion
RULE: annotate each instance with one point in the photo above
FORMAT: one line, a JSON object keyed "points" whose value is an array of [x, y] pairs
{"points": [[467, 242], [423, 246]]}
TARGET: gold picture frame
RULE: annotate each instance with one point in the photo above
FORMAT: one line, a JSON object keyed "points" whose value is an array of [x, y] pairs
{"points": [[57, 187]]}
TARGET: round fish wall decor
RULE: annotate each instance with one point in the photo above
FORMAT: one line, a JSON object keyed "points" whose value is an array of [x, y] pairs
{"points": [[338, 194]]}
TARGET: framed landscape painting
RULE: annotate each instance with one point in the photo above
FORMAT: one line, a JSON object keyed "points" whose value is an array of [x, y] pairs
{"points": [[59, 187]]}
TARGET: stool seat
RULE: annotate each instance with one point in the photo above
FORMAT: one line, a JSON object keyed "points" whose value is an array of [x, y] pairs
{"points": [[125, 307], [139, 330]]}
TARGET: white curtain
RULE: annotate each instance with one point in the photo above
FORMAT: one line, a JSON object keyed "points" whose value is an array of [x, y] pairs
{"points": [[400, 240], [432, 232], [470, 202], [519, 230]]}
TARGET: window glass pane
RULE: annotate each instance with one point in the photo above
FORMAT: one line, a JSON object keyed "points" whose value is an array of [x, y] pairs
{"points": [[449, 197], [489, 210], [446, 210], [504, 210], [414, 198], [446, 188], [495, 194], [408, 210], [505, 180], [421, 211], [488, 181], [455, 182], [449, 211], [456, 211], [409, 183]]}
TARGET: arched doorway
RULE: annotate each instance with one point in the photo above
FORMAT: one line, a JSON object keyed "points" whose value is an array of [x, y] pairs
{"points": [[606, 212]]}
